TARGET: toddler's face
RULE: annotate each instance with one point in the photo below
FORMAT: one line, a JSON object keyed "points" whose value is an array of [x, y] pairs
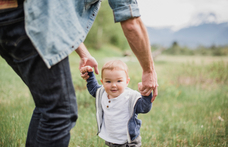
{"points": [[114, 82]]}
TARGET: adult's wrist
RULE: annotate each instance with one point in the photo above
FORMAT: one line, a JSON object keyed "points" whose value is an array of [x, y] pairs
{"points": [[82, 51], [149, 69]]}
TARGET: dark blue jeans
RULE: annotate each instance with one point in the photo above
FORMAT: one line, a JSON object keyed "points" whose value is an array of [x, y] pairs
{"points": [[52, 89]]}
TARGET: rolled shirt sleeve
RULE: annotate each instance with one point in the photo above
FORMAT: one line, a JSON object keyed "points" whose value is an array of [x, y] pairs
{"points": [[124, 9]]}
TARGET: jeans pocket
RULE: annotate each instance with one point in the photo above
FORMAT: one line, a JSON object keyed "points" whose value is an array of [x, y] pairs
{"points": [[15, 42], [20, 49]]}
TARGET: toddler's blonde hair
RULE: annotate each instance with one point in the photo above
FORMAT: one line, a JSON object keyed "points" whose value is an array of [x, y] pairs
{"points": [[115, 65]]}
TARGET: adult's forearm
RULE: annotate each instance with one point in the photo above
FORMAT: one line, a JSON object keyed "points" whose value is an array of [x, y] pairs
{"points": [[138, 39], [82, 51]]}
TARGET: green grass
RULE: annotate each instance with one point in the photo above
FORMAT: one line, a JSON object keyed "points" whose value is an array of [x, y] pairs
{"points": [[190, 110]]}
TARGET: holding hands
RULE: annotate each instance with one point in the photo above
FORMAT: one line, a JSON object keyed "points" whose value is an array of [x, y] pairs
{"points": [[86, 59], [84, 71], [149, 83]]}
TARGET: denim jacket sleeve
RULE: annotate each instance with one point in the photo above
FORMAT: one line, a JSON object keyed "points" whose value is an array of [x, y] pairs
{"points": [[124, 9], [92, 84], [143, 104]]}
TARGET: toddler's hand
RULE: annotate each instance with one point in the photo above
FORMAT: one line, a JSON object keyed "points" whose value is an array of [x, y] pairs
{"points": [[84, 72]]}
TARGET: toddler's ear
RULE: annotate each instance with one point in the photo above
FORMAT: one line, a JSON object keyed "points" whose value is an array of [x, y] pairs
{"points": [[128, 80], [101, 81]]}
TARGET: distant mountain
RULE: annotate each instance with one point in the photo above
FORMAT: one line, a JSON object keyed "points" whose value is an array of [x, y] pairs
{"points": [[204, 34]]}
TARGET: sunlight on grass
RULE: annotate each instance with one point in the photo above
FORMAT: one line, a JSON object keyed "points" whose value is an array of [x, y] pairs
{"points": [[190, 110]]}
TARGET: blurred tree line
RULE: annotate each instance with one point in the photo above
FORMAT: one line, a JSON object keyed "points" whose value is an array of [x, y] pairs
{"points": [[176, 49], [105, 31]]}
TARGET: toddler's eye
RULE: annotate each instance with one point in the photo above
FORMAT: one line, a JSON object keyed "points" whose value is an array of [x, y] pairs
{"points": [[108, 81], [119, 81]]}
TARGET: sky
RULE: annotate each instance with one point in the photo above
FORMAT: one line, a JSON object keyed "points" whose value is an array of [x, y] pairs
{"points": [[177, 14]]}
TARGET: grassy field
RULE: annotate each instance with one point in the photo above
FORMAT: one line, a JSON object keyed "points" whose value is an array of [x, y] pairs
{"points": [[190, 110]]}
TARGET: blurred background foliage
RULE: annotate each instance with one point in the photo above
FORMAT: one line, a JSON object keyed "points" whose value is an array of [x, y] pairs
{"points": [[176, 49], [105, 30]]}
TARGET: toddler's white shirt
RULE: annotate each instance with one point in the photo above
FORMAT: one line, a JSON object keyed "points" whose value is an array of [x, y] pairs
{"points": [[115, 119]]}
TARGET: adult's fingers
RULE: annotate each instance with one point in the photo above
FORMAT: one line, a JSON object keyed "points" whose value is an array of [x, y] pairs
{"points": [[155, 93], [96, 69], [146, 91]]}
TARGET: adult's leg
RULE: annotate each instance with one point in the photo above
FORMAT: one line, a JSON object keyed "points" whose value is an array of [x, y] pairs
{"points": [[56, 109], [52, 89]]}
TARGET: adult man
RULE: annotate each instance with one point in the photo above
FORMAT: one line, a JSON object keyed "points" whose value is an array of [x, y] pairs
{"points": [[36, 37]]}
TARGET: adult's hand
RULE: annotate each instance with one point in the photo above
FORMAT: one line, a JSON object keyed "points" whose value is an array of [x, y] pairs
{"points": [[86, 58], [149, 83], [89, 61]]}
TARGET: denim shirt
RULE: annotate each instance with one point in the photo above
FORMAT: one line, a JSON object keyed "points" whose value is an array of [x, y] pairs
{"points": [[57, 27]]}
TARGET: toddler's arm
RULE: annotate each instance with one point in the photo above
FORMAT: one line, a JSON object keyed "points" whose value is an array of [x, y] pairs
{"points": [[144, 104], [92, 84]]}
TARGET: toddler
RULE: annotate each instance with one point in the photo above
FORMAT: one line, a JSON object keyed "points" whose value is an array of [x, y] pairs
{"points": [[117, 106]]}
